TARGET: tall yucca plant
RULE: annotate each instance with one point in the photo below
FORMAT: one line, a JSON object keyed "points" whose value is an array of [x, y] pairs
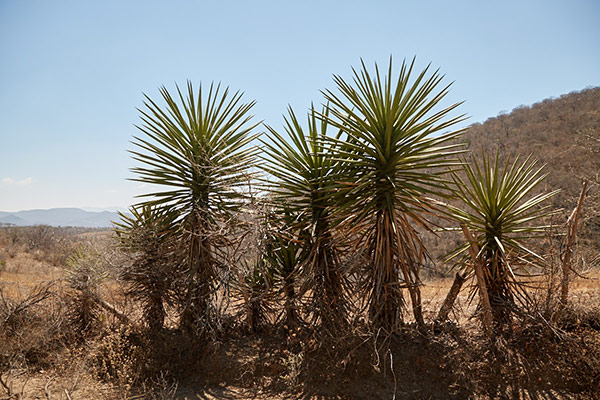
{"points": [[305, 168], [197, 149], [395, 154], [501, 212]]}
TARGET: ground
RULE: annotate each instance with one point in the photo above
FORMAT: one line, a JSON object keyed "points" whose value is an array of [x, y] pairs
{"points": [[441, 361]]}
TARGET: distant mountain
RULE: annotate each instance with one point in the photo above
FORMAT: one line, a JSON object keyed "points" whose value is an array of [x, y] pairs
{"points": [[113, 209], [60, 217], [12, 219]]}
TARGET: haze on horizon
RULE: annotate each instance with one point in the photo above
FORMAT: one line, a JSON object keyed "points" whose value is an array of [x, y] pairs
{"points": [[72, 73]]}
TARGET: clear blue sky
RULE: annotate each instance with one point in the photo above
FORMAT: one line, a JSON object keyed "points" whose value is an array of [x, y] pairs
{"points": [[72, 72]]}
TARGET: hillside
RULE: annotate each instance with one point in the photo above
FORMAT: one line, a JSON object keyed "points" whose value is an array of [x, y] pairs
{"points": [[563, 133]]}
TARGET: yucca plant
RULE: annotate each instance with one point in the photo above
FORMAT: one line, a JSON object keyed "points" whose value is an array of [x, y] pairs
{"points": [[149, 234], [395, 153], [254, 284], [197, 148], [254, 280], [305, 169], [284, 257], [85, 270], [502, 213]]}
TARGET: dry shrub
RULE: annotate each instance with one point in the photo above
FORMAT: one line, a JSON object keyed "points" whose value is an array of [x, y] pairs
{"points": [[133, 358], [160, 388], [45, 243], [366, 364], [578, 318], [3, 258], [11, 241], [454, 362], [118, 358], [541, 358], [48, 244], [33, 328], [85, 270]]}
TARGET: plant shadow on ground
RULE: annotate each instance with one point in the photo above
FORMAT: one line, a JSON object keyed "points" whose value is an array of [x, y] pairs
{"points": [[443, 362]]}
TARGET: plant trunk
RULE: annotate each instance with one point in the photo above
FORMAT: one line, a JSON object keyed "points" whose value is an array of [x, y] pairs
{"points": [[484, 300], [253, 315], [291, 316], [496, 280], [194, 317], [155, 313], [328, 291], [385, 310], [501, 301], [410, 252]]}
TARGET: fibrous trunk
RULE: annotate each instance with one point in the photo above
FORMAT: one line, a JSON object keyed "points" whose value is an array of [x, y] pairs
{"points": [[459, 279], [155, 312], [194, 317], [253, 313], [328, 289], [386, 294], [499, 293], [291, 316], [395, 253]]}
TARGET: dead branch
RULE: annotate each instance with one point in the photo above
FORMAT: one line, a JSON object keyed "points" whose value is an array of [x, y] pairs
{"points": [[36, 295], [47, 389], [459, 279], [112, 309], [5, 385], [568, 253]]}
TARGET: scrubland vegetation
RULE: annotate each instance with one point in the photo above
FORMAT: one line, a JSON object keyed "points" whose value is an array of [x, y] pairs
{"points": [[364, 251]]}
